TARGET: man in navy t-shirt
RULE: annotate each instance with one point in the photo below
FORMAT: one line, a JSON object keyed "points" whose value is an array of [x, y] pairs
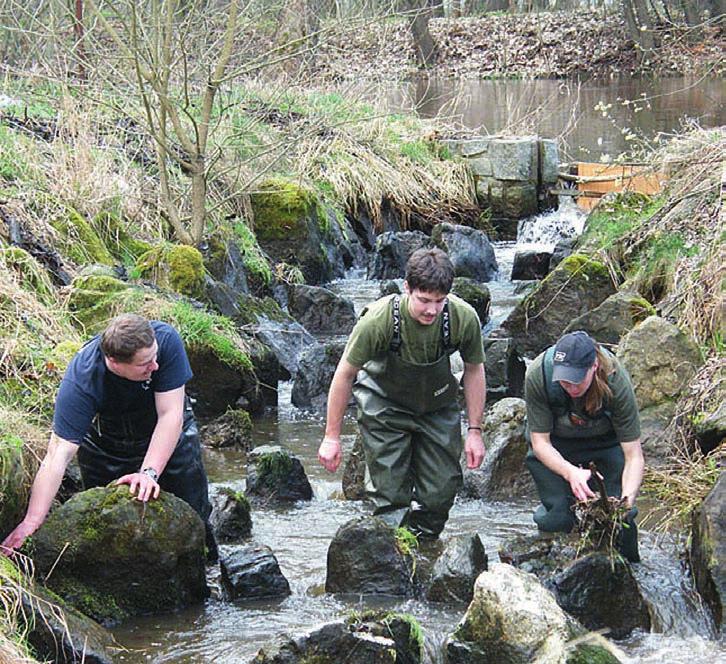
{"points": [[121, 406]]}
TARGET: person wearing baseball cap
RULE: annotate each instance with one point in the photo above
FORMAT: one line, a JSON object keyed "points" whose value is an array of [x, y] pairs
{"points": [[581, 408]]}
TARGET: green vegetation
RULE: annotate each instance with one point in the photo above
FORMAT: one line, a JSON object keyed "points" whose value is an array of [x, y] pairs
{"points": [[406, 541], [174, 266], [281, 209], [201, 329], [79, 241], [273, 467]]}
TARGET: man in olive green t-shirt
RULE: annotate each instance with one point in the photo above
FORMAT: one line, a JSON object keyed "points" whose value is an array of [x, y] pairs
{"points": [[581, 408], [396, 365]]}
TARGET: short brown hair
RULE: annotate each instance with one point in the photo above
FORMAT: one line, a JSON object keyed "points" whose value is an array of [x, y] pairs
{"points": [[430, 270], [125, 335]]}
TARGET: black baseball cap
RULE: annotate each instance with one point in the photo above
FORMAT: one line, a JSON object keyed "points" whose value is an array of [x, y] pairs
{"points": [[574, 355]]}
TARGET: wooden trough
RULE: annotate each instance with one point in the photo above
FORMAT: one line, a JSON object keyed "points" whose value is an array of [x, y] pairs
{"points": [[593, 181]]}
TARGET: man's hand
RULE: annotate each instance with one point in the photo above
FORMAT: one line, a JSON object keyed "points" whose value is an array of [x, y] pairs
{"points": [[147, 488], [329, 454], [16, 538], [474, 448], [578, 477]]}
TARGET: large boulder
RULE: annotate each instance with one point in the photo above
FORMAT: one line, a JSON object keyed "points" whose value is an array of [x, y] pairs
{"points": [[475, 294], [661, 360], [602, 592], [504, 369], [513, 619], [469, 250], [314, 375], [708, 550], [321, 311], [615, 317], [294, 228], [252, 572], [456, 570], [231, 517], [577, 285], [502, 475], [274, 474], [386, 641], [392, 252], [530, 264], [112, 556], [364, 557]]}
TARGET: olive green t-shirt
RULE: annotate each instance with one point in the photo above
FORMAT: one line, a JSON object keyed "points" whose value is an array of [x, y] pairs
{"points": [[623, 407], [420, 344]]}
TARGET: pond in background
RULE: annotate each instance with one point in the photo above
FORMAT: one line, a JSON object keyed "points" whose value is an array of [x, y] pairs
{"points": [[590, 117]]}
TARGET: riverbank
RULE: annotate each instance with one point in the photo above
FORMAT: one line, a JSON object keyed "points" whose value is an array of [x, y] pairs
{"points": [[536, 45]]}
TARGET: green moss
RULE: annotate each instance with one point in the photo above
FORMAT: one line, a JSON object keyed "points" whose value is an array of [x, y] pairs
{"points": [[584, 266], [640, 309], [613, 219], [281, 208], [88, 600], [585, 653], [63, 353], [273, 467], [174, 266], [124, 247], [415, 631], [251, 307], [79, 240], [200, 329], [241, 421], [94, 299], [254, 259]]}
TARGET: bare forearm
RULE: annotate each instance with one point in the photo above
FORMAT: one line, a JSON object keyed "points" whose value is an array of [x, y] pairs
{"points": [[48, 480], [474, 393], [632, 471], [163, 441], [549, 456], [341, 388]]}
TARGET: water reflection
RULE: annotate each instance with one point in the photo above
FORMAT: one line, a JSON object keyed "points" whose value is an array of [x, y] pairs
{"points": [[569, 109]]}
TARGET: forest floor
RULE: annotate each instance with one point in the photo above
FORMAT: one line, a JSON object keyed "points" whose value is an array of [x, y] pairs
{"points": [[536, 45]]}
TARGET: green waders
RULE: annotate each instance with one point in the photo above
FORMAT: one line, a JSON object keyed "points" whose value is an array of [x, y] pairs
{"points": [[410, 423], [580, 439]]}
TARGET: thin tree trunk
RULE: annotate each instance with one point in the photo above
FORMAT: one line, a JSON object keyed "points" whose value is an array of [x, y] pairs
{"points": [[423, 42]]}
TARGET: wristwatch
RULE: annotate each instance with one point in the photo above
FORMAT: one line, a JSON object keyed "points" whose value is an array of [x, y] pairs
{"points": [[151, 473]]}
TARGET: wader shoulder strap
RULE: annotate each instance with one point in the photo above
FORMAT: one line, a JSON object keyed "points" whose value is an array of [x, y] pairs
{"points": [[396, 338], [555, 394]]}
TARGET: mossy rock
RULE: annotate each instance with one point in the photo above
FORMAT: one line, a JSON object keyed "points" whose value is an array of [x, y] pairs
{"points": [[121, 244], [232, 429], [95, 299], [281, 208], [578, 284], [231, 517], [114, 556], [475, 294], [177, 267], [273, 473], [80, 242], [252, 308]]}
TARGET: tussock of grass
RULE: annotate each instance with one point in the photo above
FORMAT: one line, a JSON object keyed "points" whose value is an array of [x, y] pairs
{"points": [[365, 175]]}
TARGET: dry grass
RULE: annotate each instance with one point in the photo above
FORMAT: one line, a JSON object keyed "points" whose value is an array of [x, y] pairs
{"points": [[365, 175], [13, 586]]}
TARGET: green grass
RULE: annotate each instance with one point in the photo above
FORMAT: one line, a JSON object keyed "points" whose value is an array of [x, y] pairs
{"points": [[254, 259], [611, 222], [199, 328]]}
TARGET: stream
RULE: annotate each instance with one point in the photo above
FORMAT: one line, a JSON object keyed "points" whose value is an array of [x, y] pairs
{"points": [[226, 632]]}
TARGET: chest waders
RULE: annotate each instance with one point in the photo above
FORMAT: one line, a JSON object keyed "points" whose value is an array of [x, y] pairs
{"points": [[116, 446], [410, 423], [580, 439]]}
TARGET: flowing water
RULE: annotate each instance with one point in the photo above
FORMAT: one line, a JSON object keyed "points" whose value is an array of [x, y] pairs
{"points": [[226, 632]]}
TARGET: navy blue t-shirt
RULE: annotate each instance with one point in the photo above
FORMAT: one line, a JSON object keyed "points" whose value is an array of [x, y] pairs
{"points": [[89, 387]]}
